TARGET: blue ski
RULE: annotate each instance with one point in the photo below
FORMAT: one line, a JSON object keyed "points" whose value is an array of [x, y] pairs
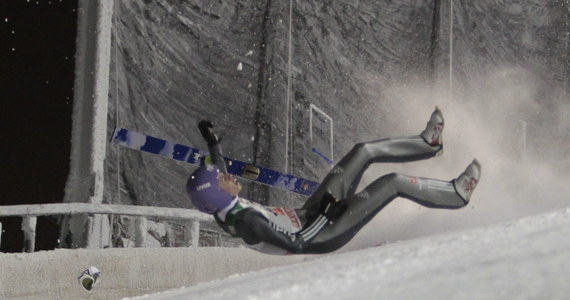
{"points": [[149, 144]]}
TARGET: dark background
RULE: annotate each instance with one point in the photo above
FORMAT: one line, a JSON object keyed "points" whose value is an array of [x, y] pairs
{"points": [[37, 48]]}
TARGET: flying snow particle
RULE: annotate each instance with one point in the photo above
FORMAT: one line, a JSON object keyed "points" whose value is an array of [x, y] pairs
{"points": [[6, 20], [240, 66]]}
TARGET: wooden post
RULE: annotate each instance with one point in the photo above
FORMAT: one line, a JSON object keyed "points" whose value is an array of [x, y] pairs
{"points": [[140, 231], [29, 228]]}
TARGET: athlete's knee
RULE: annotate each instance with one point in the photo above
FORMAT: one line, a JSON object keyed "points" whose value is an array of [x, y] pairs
{"points": [[398, 180], [392, 177], [391, 181], [362, 149]]}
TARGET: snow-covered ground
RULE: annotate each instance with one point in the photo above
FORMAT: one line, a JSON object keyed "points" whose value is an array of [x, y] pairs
{"points": [[125, 272], [524, 259], [527, 258]]}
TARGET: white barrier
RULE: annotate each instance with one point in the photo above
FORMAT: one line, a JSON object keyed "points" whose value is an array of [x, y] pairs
{"points": [[125, 272], [31, 212]]}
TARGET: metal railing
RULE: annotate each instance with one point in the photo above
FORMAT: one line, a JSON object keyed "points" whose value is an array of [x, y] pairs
{"points": [[29, 213]]}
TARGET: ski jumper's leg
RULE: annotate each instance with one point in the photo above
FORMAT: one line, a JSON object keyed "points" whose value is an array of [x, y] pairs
{"points": [[362, 207], [342, 181]]}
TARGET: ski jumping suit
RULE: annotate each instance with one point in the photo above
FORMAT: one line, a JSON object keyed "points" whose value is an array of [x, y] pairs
{"points": [[333, 215]]}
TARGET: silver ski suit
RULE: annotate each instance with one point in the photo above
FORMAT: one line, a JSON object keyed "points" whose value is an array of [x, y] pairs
{"points": [[333, 215]]}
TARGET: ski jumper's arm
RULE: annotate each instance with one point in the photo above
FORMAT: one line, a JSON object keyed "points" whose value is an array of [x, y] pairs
{"points": [[255, 228], [262, 234], [214, 145]]}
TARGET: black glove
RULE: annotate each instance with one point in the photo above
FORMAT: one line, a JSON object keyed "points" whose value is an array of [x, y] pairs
{"points": [[331, 207], [205, 127]]}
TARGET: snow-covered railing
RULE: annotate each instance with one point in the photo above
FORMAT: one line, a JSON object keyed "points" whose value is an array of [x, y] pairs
{"points": [[29, 213]]}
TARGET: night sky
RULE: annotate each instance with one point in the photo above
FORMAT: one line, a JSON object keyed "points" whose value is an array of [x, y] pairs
{"points": [[37, 48]]}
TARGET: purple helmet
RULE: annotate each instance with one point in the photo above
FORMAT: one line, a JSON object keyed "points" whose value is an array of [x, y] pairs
{"points": [[202, 188]]}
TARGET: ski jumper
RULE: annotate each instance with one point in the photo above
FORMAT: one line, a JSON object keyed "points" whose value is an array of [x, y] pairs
{"points": [[334, 214]]}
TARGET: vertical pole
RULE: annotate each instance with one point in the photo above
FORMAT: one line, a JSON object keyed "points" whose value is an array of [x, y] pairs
{"points": [[89, 128], [435, 28], [193, 234], [566, 47], [140, 231], [312, 108], [289, 117], [450, 49], [169, 234], [0, 234], [117, 119], [29, 228]]}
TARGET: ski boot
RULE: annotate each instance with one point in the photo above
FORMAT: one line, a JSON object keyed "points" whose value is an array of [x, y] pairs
{"points": [[467, 181], [434, 129]]}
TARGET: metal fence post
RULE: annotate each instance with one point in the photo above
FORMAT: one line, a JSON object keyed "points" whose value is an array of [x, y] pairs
{"points": [[29, 228]]}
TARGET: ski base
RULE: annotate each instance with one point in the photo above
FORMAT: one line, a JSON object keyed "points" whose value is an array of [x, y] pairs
{"points": [[141, 142]]}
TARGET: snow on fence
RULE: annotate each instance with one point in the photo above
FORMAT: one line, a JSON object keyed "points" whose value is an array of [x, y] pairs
{"points": [[29, 213]]}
